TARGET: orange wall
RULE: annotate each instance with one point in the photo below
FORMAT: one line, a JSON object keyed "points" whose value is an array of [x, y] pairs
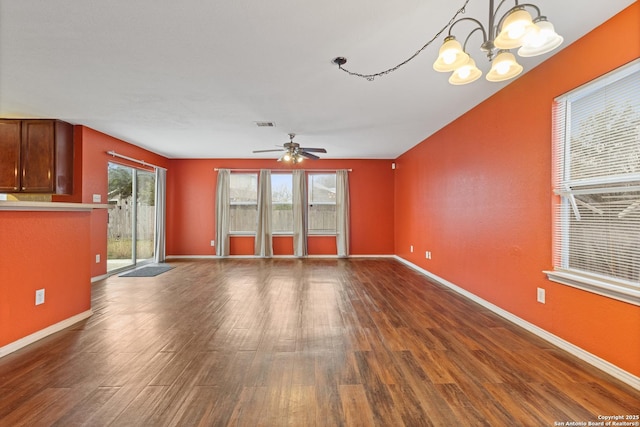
{"points": [[191, 213], [38, 250], [478, 195], [56, 250], [94, 146]]}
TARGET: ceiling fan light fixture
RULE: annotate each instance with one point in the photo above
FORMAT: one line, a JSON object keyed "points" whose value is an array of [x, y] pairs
{"points": [[292, 151]]}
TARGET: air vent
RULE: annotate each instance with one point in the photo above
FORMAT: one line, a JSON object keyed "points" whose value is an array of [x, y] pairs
{"points": [[265, 124]]}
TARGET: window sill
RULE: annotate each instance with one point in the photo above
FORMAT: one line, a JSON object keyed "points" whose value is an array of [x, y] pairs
{"points": [[278, 234], [595, 285]]}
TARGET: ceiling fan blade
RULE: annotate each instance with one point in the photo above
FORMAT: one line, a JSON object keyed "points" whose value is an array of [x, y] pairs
{"points": [[266, 151], [308, 155], [313, 150]]}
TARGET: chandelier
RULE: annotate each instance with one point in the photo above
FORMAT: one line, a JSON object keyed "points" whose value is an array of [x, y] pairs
{"points": [[514, 29]]}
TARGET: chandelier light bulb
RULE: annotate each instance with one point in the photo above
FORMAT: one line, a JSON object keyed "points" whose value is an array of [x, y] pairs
{"points": [[517, 22], [515, 27], [545, 34], [536, 37], [516, 31], [465, 74], [546, 30], [286, 157], [450, 56], [542, 40], [504, 67]]}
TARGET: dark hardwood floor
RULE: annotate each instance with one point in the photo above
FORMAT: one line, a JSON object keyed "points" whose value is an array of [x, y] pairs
{"points": [[247, 342]]}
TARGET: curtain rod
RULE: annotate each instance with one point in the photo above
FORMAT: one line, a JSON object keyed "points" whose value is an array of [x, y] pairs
{"points": [[131, 159], [282, 170]]}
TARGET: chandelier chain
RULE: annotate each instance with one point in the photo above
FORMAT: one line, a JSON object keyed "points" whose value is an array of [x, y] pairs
{"points": [[371, 77]]}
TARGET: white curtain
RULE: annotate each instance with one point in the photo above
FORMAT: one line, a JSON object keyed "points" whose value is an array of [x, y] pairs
{"points": [[222, 212], [299, 213], [342, 212], [264, 241], [159, 250]]}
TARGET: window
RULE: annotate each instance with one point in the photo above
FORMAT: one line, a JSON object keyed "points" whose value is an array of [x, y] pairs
{"points": [[243, 197], [282, 202], [597, 176], [322, 203]]}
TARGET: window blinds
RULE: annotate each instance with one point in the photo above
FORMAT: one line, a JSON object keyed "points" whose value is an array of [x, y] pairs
{"points": [[597, 174]]}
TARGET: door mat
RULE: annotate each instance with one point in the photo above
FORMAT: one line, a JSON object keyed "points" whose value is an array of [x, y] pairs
{"points": [[147, 271]]}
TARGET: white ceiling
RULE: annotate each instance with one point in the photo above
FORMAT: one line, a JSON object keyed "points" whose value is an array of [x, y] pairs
{"points": [[189, 78]]}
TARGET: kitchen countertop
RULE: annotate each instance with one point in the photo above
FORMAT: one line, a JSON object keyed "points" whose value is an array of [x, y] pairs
{"points": [[49, 206]]}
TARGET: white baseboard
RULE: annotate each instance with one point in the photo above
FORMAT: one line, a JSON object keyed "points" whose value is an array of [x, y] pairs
{"points": [[579, 352], [30, 339], [98, 278], [169, 257], [372, 256]]}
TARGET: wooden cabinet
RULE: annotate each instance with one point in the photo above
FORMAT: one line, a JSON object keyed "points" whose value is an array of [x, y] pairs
{"points": [[36, 156], [10, 137]]}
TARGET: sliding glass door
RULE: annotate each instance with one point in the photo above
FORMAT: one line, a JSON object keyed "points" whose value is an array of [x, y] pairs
{"points": [[131, 229]]}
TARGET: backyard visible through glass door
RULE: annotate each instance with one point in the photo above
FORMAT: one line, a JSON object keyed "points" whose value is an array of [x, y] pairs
{"points": [[145, 215], [130, 234]]}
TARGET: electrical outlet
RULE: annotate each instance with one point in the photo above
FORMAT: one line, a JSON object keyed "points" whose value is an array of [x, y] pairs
{"points": [[213, 243], [40, 296], [411, 248], [97, 198], [541, 295], [97, 258], [427, 254]]}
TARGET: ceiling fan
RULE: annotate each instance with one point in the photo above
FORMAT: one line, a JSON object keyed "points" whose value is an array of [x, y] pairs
{"points": [[294, 153]]}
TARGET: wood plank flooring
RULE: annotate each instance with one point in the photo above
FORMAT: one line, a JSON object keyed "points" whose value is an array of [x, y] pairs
{"points": [[315, 342]]}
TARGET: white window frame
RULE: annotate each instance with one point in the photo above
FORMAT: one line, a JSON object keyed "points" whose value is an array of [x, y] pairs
{"points": [[567, 189], [274, 204], [231, 204], [310, 203]]}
